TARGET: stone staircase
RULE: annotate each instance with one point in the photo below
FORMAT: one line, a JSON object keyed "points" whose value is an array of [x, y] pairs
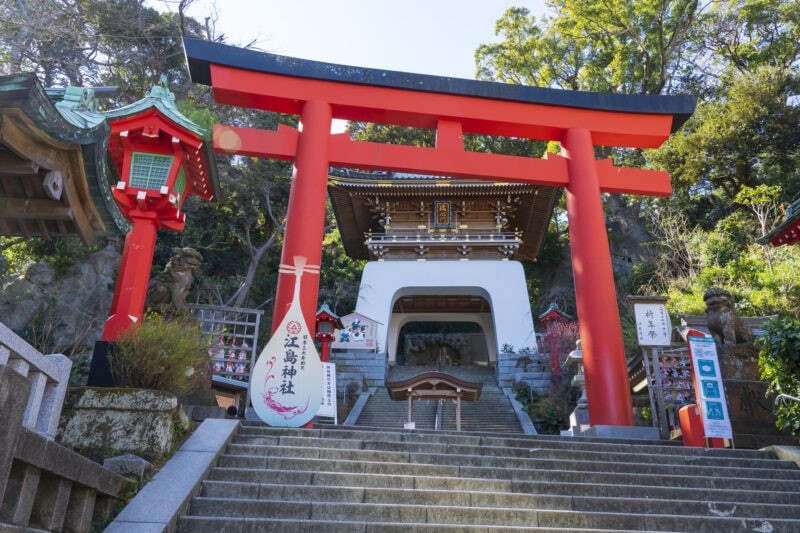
{"points": [[492, 412], [381, 411], [369, 479]]}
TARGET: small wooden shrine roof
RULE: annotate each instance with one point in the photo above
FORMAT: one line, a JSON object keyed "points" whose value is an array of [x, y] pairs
{"points": [[554, 313], [434, 386], [788, 231], [54, 179], [348, 191]]}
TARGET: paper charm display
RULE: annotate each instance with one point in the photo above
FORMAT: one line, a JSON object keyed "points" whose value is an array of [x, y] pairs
{"points": [[286, 384]]}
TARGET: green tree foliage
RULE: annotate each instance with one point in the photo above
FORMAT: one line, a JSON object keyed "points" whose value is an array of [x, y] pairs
{"points": [[128, 44], [748, 137], [632, 47], [95, 42], [734, 165], [779, 362], [747, 34], [763, 201], [340, 276]]}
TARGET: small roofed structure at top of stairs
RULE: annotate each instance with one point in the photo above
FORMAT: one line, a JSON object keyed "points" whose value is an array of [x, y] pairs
{"points": [[434, 386]]}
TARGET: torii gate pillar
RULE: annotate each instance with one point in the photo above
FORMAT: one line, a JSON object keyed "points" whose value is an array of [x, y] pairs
{"points": [[604, 363], [305, 222]]}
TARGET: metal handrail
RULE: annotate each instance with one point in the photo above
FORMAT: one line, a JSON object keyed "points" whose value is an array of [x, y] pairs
{"points": [[784, 397], [437, 425]]}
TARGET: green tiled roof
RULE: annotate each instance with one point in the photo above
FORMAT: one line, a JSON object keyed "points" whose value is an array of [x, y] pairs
{"points": [[162, 99], [68, 122]]}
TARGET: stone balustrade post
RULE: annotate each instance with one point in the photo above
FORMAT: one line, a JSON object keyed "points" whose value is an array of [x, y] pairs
{"points": [[53, 398], [14, 390]]}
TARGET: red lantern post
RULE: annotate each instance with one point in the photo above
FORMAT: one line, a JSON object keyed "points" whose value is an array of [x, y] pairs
{"points": [[161, 158], [327, 321]]}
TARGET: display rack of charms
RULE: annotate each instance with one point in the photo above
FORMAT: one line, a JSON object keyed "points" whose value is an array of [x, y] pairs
{"points": [[670, 376], [233, 337]]}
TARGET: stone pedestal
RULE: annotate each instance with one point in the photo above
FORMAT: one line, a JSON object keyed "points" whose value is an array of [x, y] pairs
{"points": [[138, 421], [751, 411]]}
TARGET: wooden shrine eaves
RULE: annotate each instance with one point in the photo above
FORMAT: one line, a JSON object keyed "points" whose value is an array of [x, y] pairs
{"points": [[434, 386]]}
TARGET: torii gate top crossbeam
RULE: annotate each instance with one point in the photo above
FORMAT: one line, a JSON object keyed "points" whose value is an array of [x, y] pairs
{"points": [[283, 84]]}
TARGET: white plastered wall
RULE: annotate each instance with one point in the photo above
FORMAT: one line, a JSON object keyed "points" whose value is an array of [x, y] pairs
{"points": [[501, 283]]}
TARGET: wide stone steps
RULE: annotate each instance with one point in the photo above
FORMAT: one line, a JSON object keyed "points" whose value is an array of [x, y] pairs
{"points": [[378, 480], [390, 481], [498, 456], [491, 413]]}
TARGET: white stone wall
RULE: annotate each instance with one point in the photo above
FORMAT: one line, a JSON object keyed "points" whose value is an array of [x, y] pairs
{"points": [[501, 283]]}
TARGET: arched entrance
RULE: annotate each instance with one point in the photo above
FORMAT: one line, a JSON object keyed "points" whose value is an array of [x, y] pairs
{"points": [[455, 328], [492, 294], [450, 343]]}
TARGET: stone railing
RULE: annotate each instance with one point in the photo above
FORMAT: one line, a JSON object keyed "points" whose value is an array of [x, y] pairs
{"points": [[48, 376], [42, 483]]}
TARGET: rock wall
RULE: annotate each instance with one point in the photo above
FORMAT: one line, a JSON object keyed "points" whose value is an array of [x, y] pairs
{"points": [[66, 310]]}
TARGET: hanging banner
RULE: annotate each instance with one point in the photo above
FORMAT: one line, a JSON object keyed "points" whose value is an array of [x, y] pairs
{"points": [[709, 390], [328, 407], [286, 383]]}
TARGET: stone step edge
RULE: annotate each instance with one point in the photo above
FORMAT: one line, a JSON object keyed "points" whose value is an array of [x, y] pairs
{"points": [[595, 515], [609, 456], [704, 490], [568, 497], [250, 428], [622, 475], [352, 526], [158, 504], [523, 440], [452, 459]]}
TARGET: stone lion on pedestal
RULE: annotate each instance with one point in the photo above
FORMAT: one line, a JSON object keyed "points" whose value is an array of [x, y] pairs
{"points": [[167, 291], [723, 322]]}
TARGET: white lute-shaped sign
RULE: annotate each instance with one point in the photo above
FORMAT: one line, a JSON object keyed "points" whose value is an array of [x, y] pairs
{"points": [[286, 384]]}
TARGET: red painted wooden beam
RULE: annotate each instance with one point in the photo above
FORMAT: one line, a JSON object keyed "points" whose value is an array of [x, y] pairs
{"points": [[281, 144], [488, 116]]}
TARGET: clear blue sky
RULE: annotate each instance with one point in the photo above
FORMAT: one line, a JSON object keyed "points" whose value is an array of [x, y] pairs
{"points": [[425, 36]]}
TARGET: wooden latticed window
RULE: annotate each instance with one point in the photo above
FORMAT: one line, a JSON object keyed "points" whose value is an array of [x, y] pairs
{"points": [[149, 171]]}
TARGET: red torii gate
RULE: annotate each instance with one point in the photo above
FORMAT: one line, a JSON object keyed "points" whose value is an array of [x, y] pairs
{"points": [[319, 92]]}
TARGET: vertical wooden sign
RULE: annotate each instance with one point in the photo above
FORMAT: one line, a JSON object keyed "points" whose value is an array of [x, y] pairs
{"points": [[286, 385]]}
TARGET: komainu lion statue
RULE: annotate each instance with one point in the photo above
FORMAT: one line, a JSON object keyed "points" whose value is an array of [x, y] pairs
{"points": [[723, 323], [166, 292]]}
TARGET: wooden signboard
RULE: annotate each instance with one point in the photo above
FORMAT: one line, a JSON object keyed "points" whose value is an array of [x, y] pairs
{"points": [[286, 384], [358, 333]]}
